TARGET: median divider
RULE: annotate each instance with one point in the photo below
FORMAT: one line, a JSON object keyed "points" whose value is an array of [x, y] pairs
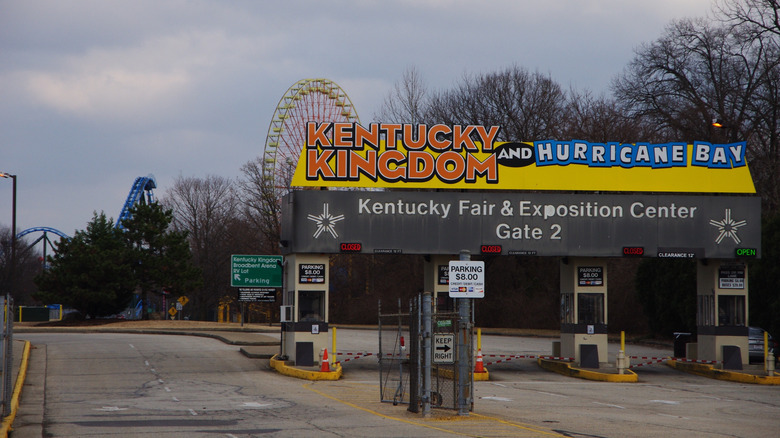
{"points": [[302, 373], [710, 370], [566, 369]]}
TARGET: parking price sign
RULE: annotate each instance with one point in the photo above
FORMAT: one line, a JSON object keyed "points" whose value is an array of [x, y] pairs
{"points": [[255, 271], [467, 279]]}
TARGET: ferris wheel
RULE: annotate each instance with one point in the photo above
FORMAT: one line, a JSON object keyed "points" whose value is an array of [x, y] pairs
{"points": [[317, 100]]}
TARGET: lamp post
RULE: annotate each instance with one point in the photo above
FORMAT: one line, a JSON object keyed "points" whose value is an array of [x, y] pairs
{"points": [[13, 228]]}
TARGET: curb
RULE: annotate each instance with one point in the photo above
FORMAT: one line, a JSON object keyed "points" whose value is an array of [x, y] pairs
{"points": [[286, 370], [251, 355], [450, 374], [566, 369], [187, 332], [481, 377], [9, 420], [710, 371]]}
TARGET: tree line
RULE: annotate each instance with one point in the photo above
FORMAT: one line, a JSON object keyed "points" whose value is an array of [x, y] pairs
{"points": [[725, 67]]}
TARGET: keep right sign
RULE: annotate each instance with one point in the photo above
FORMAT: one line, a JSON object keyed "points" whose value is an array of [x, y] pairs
{"points": [[443, 348]]}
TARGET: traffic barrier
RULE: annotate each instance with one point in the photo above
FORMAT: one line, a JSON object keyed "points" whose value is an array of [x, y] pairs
{"points": [[356, 356], [508, 357], [649, 360], [502, 357], [682, 359], [567, 359], [653, 360]]}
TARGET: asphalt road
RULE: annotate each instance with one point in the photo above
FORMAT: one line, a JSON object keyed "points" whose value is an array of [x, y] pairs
{"points": [[139, 385]]}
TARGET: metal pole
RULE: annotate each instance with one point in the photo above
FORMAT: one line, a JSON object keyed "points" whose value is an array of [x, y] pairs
{"points": [[333, 349], [13, 236], [11, 276], [282, 331], [464, 350], [427, 334], [3, 367], [8, 342]]}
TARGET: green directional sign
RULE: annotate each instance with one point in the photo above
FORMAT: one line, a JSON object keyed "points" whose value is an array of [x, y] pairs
{"points": [[255, 270]]}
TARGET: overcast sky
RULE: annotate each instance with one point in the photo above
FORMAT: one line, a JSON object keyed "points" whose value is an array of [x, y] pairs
{"points": [[96, 93]]}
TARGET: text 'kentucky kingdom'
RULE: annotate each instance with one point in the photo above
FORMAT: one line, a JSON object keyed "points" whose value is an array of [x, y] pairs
{"points": [[468, 156]]}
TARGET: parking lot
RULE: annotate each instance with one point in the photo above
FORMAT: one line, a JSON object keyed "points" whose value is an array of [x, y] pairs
{"points": [[128, 384]]}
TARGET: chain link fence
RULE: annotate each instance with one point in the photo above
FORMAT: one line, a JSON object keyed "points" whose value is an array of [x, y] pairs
{"points": [[401, 357], [394, 382], [6, 323]]}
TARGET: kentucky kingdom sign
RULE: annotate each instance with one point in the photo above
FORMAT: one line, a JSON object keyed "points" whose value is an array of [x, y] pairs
{"points": [[469, 157]]}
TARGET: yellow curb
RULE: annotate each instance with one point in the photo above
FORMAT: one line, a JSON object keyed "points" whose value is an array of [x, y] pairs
{"points": [[710, 371], [286, 370], [566, 369], [450, 374], [482, 377], [9, 420]]}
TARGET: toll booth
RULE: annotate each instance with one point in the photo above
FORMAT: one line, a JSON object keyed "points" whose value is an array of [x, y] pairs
{"points": [[584, 310], [305, 308], [721, 312], [436, 280]]}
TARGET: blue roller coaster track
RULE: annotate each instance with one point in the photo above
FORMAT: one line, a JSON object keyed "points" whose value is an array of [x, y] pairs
{"points": [[44, 237], [141, 191], [142, 185], [43, 230]]}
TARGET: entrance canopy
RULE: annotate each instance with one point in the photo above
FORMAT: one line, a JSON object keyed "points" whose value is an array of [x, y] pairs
{"points": [[542, 224]]}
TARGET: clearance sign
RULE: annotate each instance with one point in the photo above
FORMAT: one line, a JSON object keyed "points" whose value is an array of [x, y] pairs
{"points": [[469, 157]]}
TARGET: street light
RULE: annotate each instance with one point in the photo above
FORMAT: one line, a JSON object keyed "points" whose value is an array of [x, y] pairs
{"points": [[13, 227]]}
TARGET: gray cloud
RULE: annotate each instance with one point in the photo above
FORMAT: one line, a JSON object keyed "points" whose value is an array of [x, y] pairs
{"points": [[96, 93]]}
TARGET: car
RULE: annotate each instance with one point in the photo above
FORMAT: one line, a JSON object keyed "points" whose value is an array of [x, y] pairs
{"points": [[756, 345]]}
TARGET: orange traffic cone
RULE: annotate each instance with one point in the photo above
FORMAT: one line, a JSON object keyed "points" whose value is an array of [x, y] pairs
{"points": [[478, 366], [325, 363]]}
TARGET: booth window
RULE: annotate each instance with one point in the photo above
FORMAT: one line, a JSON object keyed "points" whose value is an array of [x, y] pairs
{"points": [[567, 308], [311, 305], [731, 310], [590, 308], [705, 316], [444, 303]]}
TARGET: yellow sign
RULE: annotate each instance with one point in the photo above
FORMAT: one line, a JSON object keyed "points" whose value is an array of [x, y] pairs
{"points": [[468, 157], [183, 300], [172, 311]]}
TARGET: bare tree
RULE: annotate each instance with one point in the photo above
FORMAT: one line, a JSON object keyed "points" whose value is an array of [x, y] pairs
{"points": [[760, 16], [260, 203], [699, 71], [527, 106], [694, 73], [207, 209], [17, 280], [407, 101], [601, 119], [759, 22]]}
